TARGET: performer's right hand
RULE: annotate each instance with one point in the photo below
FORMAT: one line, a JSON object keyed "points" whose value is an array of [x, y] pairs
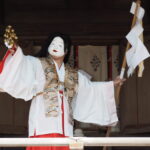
{"points": [[13, 49]]}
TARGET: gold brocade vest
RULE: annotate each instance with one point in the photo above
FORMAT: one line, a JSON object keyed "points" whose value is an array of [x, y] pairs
{"points": [[53, 86]]}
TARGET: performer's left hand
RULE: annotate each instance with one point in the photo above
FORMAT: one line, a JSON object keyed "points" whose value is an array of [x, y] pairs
{"points": [[118, 81]]}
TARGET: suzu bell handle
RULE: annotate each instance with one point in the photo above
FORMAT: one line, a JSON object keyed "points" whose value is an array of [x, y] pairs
{"points": [[10, 37]]}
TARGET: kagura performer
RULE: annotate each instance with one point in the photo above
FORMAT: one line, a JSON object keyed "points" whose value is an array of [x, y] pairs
{"points": [[59, 93]]}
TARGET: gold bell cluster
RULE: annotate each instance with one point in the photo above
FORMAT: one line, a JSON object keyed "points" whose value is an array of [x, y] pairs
{"points": [[10, 37]]}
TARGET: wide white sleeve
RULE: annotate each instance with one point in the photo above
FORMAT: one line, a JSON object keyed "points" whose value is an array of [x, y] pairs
{"points": [[19, 75], [95, 102]]}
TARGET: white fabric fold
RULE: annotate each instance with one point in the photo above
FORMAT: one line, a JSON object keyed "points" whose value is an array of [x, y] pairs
{"points": [[18, 77], [95, 102]]}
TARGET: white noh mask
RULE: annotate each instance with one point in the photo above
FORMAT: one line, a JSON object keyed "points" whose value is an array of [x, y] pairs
{"points": [[56, 48]]}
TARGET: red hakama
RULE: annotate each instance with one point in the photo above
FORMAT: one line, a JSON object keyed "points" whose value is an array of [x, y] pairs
{"points": [[54, 135]]}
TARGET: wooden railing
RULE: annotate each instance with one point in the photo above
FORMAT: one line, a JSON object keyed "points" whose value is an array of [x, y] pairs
{"points": [[75, 142]]}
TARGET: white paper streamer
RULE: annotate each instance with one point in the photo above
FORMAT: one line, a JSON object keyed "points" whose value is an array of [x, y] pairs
{"points": [[138, 52], [122, 73], [140, 12]]}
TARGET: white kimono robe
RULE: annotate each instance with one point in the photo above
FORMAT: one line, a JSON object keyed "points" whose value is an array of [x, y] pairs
{"points": [[23, 77]]}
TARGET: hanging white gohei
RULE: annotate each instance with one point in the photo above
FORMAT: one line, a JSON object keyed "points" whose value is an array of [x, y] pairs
{"points": [[138, 52]]}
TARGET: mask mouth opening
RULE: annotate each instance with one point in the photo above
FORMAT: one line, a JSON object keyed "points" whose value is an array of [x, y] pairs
{"points": [[55, 50]]}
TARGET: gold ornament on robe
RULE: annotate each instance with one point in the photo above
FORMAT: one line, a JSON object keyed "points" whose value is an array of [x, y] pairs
{"points": [[10, 37]]}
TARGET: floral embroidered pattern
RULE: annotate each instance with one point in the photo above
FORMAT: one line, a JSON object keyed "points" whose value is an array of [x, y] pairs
{"points": [[53, 86], [116, 62], [95, 62]]}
